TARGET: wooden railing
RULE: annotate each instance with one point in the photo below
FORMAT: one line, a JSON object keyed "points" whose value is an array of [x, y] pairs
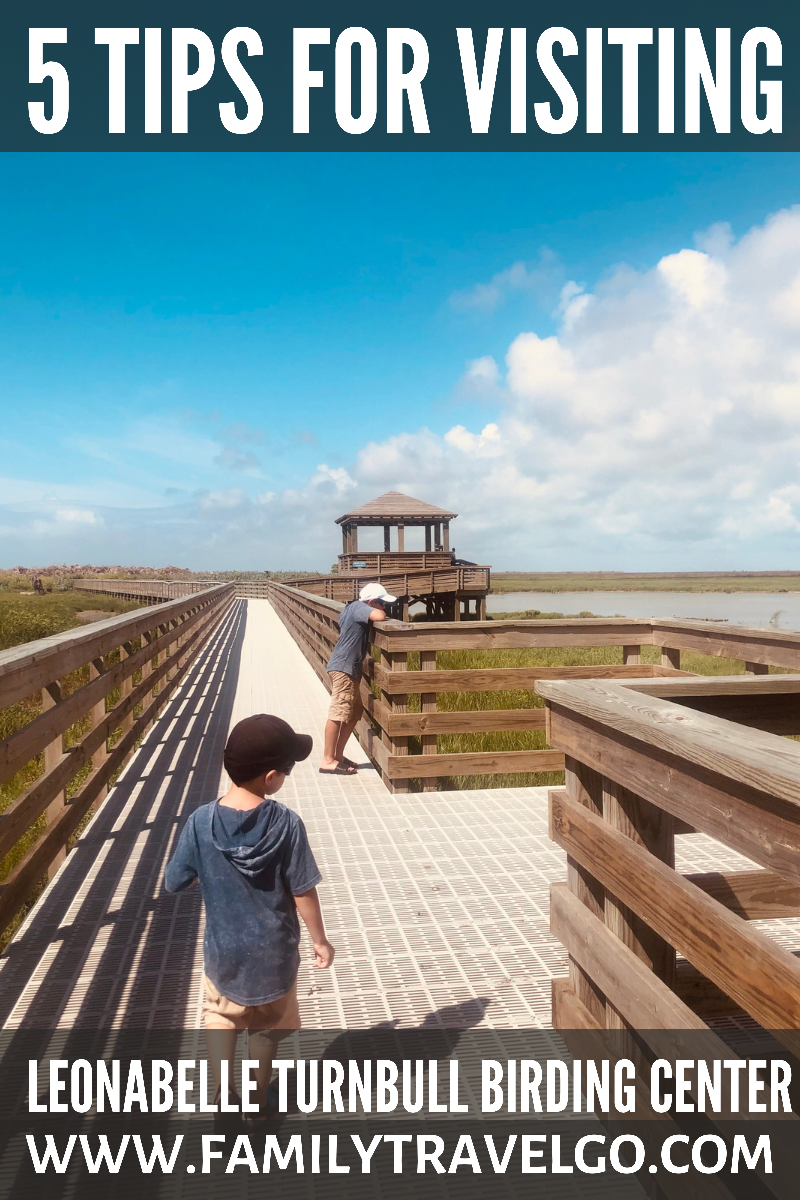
{"points": [[312, 621], [154, 590], [644, 761], [81, 684], [395, 561], [459, 581]]}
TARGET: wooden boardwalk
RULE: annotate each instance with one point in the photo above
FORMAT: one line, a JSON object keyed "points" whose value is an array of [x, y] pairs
{"points": [[437, 903]]}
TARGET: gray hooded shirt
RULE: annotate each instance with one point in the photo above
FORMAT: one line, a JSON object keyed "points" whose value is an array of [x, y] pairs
{"points": [[251, 864]]}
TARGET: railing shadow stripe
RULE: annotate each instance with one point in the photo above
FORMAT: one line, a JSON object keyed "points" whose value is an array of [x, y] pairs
{"points": [[184, 748]]}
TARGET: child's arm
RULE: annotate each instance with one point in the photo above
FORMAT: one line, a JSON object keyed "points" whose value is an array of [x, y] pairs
{"points": [[308, 904]]}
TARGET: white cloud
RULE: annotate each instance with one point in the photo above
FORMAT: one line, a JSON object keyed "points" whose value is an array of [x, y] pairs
{"points": [[656, 428], [540, 278], [333, 478], [79, 516], [486, 444]]}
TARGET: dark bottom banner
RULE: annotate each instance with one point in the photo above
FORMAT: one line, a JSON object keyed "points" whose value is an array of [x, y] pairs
{"points": [[387, 1111]]}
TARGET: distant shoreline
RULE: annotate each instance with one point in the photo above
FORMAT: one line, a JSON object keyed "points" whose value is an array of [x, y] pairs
{"points": [[724, 582]]}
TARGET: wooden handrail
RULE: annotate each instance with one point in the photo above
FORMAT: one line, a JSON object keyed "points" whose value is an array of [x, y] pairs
{"points": [[642, 760], [312, 621], [158, 644]]}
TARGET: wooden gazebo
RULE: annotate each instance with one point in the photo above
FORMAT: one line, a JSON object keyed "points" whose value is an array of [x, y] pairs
{"points": [[450, 588], [396, 511]]}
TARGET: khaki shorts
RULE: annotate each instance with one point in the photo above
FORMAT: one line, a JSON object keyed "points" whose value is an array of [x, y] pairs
{"points": [[221, 1013], [346, 703]]}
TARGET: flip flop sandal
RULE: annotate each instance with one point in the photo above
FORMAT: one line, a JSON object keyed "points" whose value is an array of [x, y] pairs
{"points": [[339, 769], [348, 762]]}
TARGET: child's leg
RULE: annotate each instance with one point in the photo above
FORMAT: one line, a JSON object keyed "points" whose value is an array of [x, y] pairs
{"points": [[223, 1019], [271, 1023]]}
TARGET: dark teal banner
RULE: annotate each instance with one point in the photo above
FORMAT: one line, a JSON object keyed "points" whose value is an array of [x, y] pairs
{"points": [[356, 76]]}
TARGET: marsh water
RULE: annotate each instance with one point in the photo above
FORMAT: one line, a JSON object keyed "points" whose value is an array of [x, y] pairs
{"points": [[771, 610]]}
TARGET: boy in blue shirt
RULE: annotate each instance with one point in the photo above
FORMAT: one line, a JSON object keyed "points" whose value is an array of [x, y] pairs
{"points": [[257, 873]]}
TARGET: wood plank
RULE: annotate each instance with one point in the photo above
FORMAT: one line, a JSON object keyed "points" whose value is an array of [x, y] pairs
{"points": [[752, 895], [778, 715], [758, 760], [642, 998], [716, 685], [398, 745], [24, 744], [760, 976], [586, 788], [372, 745], [494, 720], [500, 679], [567, 1011], [649, 827], [502, 762], [53, 754], [499, 635], [755, 823], [703, 996], [752, 645], [26, 809], [671, 658], [25, 876], [428, 709]]}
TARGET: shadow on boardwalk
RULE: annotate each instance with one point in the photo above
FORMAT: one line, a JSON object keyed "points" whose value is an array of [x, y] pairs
{"points": [[106, 945]]}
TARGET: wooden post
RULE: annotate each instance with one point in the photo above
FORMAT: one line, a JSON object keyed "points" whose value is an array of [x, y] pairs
{"points": [[405, 609], [586, 786], [631, 656], [387, 544], [652, 828], [395, 745], [428, 538], [445, 535], [354, 539], [482, 609], [98, 713], [147, 667], [53, 753], [344, 539], [437, 535], [428, 704], [400, 540], [457, 608], [752, 668], [125, 690], [671, 657]]}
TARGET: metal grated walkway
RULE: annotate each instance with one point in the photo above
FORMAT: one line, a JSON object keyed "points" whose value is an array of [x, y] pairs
{"points": [[437, 903]]}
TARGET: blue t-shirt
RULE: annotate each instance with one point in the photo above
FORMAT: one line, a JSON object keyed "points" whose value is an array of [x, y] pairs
{"points": [[354, 632], [250, 865]]}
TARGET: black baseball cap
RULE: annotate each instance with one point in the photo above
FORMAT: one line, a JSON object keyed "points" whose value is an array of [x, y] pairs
{"points": [[263, 743]]}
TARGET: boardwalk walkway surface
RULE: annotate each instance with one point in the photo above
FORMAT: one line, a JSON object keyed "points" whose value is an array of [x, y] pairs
{"points": [[437, 903]]}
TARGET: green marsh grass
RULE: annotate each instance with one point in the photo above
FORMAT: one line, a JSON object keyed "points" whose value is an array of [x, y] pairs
{"points": [[556, 656], [23, 619]]}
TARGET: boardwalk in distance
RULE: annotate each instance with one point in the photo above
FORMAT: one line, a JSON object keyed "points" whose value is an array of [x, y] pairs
{"points": [[437, 903]]}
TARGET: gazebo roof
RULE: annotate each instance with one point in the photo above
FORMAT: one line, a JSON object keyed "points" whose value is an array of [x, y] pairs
{"points": [[396, 508]]}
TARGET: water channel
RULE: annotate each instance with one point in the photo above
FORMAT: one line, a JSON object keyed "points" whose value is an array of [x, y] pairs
{"points": [[769, 610]]}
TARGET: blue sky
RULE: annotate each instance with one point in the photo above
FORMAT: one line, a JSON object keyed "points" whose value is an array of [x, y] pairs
{"points": [[185, 341]]}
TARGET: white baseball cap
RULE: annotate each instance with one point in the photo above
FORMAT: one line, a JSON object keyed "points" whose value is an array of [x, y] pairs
{"points": [[374, 591]]}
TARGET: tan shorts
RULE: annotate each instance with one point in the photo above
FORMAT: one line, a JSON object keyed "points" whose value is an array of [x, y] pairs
{"points": [[221, 1013], [346, 703]]}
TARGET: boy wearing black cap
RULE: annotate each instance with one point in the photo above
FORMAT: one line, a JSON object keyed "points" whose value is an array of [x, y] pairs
{"points": [[257, 873]]}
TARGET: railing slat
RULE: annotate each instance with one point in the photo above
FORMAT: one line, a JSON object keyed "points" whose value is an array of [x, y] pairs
{"points": [[186, 623], [759, 975]]}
